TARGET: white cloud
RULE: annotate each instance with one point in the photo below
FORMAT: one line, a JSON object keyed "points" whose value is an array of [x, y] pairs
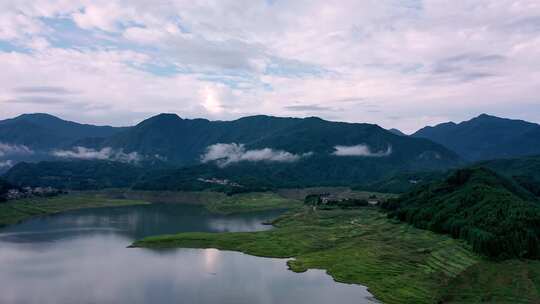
{"points": [[361, 150], [429, 63], [226, 154], [9, 149], [106, 153], [104, 16], [6, 164]]}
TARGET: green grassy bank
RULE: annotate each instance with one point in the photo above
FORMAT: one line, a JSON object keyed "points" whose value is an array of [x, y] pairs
{"points": [[216, 202], [249, 202], [399, 263]]}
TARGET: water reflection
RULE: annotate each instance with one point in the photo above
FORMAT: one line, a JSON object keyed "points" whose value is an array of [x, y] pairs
{"points": [[80, 257]]}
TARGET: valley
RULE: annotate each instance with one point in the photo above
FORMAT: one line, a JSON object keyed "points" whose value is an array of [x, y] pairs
{"points": [[414, 223], [269, 152]]}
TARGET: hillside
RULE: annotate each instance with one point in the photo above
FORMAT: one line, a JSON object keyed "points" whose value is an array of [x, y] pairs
{"points": [[184, 141], [259, 151], [486, 137], [497, 217], [44, 131], [4, 187], [76, 175], [524, 170], [181, 142]]}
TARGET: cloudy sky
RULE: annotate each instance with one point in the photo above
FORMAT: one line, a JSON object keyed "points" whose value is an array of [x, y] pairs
{"points": [[397, 63]]}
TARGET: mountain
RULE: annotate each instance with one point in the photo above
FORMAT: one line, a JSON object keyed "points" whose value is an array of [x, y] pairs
{"points": [[44, 131], [397, 132], [259, 151], [309, 149], [496, 216], [184, 141], [486, 137]]}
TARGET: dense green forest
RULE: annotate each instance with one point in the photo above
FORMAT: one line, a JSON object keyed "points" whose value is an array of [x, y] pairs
{"points": [[4, 187], [524, 170], [494, 214], [316, 170], [75, 175], [402, 182], [360, 174]]}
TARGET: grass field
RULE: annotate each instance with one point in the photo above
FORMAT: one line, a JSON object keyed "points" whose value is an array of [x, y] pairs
{"points": [[214, 201], [398, 263], [250, 202], [16, 211]]}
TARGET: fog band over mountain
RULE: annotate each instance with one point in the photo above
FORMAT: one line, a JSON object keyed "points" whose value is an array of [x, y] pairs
{"points": [[9, 149], [226, 154], [6, 164], [106, 153], [360, 150]]}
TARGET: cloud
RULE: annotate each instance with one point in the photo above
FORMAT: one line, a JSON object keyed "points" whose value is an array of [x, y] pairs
{"points": [[6, 164], [137, 56], [37, 100], [360, 150], [308, 108], [226, 154], [468, 66], [9, 149], [45, 89], [106, 153]]}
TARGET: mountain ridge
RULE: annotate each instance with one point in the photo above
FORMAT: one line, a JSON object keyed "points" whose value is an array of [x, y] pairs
{"points": [[486, 137]]}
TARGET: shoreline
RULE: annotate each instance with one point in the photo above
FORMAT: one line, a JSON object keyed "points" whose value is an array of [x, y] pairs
{"points": [[395, 261]]}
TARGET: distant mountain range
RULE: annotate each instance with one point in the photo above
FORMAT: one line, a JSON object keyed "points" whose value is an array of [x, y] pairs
{"points": [[255, 150], [261, 150], [184, 141], [486, 137]]}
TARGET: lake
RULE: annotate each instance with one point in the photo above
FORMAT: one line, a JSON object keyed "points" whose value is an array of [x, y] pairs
{"points": [[81, 257]]}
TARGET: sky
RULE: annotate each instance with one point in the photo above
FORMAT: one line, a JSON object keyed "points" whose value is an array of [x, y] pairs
{"points": [[397, 63]]}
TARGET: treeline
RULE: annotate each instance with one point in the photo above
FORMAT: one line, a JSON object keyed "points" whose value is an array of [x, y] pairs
{"points": [[495, 215], [74, 175], [313, 171]]}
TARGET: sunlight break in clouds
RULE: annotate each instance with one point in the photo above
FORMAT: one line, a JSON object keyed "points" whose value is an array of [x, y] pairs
{"points": [[226, 154], [106, 153], [360, 150]]}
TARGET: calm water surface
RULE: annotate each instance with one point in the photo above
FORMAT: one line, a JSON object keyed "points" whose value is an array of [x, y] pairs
{"points": [[81, 257]]}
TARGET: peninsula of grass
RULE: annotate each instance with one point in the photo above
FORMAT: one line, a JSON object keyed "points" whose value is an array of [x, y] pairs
{"points": [[397, 262], [18, 210]]}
